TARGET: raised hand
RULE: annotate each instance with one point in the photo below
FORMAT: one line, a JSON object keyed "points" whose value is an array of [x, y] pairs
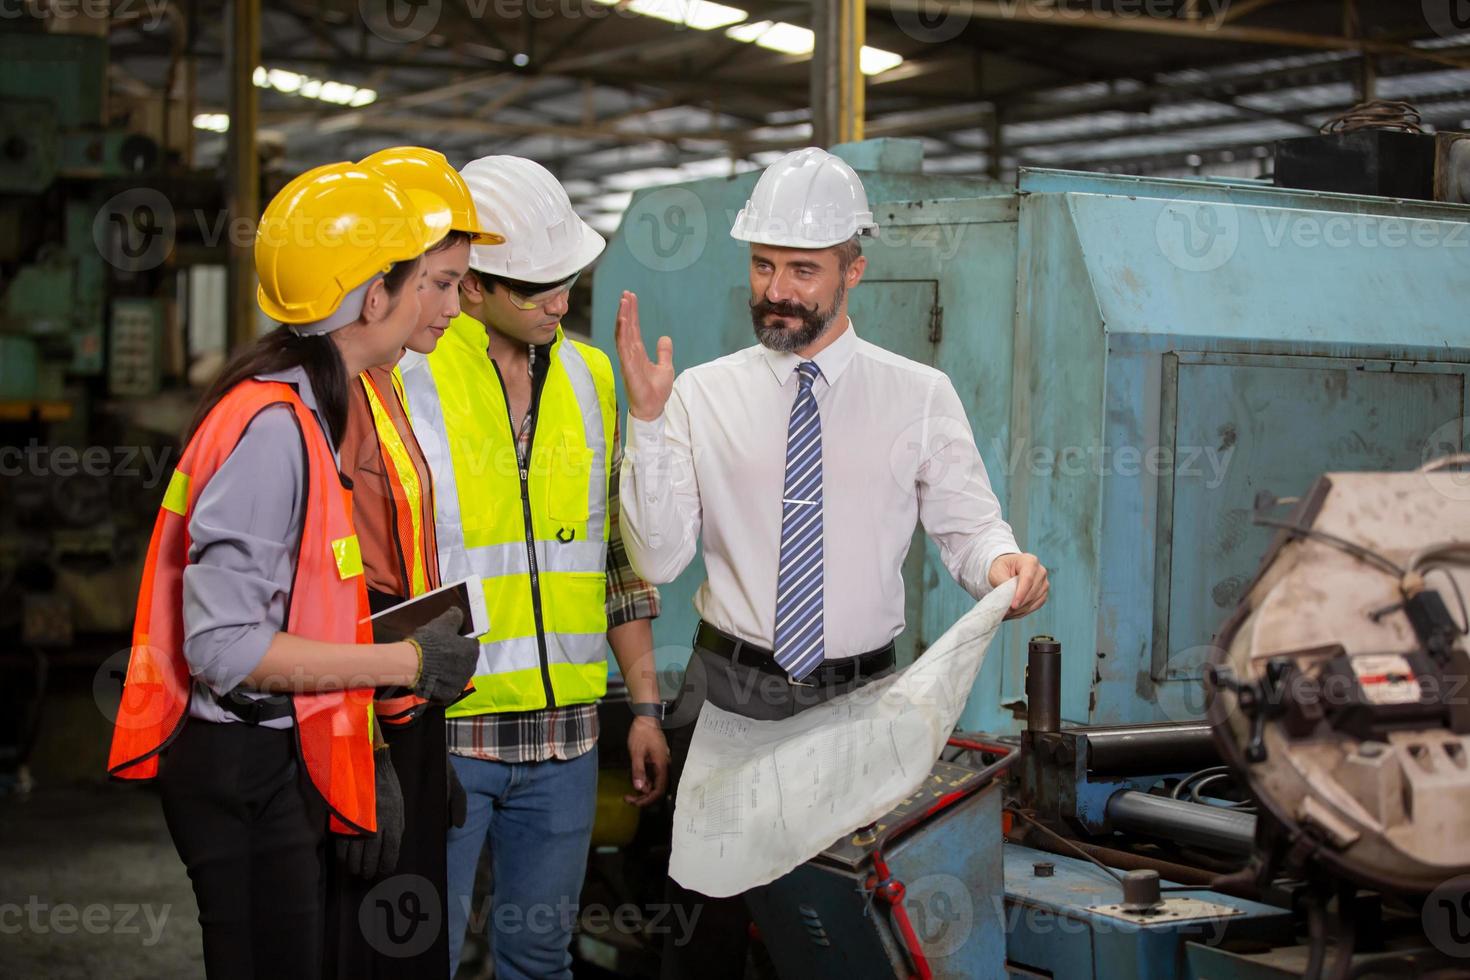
{"points": [[648, 384]]}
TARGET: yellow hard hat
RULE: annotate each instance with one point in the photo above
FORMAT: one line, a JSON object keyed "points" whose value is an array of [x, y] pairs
{"points": [[420, 168], [334, 228]]}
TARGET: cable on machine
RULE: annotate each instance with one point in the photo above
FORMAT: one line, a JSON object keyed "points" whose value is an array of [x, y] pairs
{"points": [[1388, 114], [1197, 781]]}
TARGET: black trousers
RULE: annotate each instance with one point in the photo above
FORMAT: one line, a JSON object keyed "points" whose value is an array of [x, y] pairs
{"points": [[717, 945], [395, 925], [249, 827]]}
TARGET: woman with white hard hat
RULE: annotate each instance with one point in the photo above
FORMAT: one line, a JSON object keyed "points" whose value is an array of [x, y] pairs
{"points": [[249, 688]]}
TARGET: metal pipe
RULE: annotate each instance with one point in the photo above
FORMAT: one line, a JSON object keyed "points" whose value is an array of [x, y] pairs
{"points": [[852, 108], [837, 81], [1043, 685], [1120, 860], [244, 170], [1209, 827], [1142, 750], [1127, 861]]}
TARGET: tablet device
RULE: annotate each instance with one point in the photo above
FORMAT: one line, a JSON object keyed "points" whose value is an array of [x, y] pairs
{"points": [[400, 621]]}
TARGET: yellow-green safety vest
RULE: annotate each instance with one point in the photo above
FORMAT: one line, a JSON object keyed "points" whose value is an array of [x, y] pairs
{"points": [[537, 537]]}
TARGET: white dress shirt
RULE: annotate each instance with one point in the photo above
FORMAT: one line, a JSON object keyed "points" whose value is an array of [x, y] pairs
{"points": [[896, 448]]}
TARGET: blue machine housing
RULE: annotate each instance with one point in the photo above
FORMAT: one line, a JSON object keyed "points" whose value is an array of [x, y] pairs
{"points": [[1138, 357], [1052, 932]]}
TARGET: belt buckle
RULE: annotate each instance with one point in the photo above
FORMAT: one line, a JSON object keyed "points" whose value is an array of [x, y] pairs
{"points": [[796, 683]]}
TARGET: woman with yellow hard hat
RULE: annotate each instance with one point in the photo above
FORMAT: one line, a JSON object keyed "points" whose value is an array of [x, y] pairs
{"points": [[393, 507], [250, 683]]}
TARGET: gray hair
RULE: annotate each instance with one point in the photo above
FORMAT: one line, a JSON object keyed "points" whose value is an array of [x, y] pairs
{"points": [[848, 253]]}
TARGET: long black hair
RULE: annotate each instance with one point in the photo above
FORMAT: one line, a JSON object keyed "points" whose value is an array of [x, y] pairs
{"points": [[281, 350]]}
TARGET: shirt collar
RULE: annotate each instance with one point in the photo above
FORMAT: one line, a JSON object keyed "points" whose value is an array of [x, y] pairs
{"points": [[832, 359], [295, 376]]}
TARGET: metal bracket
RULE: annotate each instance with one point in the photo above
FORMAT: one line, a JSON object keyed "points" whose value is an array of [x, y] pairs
{"points": [[1171, 910]]}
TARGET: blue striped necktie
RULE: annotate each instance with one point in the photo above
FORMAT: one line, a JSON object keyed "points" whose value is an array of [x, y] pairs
{"points": [[798, 642]]}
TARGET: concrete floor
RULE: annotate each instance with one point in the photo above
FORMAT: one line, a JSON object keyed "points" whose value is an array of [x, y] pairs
{"points": [[90, 886], [90, 883]]}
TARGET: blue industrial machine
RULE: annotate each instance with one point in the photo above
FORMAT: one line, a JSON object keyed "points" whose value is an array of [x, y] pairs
{"points": [[1139, 359]]}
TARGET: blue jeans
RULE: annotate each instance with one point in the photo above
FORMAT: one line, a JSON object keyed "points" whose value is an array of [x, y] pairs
{"points": [[537, 818]]}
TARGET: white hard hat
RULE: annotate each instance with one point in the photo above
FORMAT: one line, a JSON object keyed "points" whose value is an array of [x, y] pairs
{"points": [[545, 240], [807, 199]]}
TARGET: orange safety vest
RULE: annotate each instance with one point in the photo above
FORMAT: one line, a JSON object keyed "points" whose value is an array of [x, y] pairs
{"points": [[328, 602], [406, 498], [415, 537]]}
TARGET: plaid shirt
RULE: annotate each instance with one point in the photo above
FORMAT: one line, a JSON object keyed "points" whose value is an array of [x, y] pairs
{"points": [[562, 732]]}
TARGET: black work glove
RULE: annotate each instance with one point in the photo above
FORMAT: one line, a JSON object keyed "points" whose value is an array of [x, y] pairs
{"points": [[377, 854], [448, 659], [456, 799]]}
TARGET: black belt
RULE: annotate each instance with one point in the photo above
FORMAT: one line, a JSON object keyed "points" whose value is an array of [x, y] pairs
{"points": [[734, 649], [255, 711]]}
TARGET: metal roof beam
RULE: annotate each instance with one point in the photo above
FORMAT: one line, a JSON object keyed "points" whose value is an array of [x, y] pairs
{"points": [[1043, 13]]}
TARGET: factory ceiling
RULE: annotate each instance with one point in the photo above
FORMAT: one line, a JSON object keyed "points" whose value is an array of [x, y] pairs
{"points": [[618, 95]]}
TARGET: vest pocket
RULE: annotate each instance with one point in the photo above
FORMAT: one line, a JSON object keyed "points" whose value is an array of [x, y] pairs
{"points": [[568, 482], [577, 605]]}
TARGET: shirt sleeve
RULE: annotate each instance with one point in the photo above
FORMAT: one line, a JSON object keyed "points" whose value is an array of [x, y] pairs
{"points": [[957, 506], [660, 497], [629, 596], [244, 534]]}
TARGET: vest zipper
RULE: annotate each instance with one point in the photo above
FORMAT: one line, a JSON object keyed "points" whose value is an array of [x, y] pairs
{"points": [[521, 465]]}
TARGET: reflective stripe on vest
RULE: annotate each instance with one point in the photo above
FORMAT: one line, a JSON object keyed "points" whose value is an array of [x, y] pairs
{"points": [[462, 421], [403, 480], [328, 603], [407, 500]]}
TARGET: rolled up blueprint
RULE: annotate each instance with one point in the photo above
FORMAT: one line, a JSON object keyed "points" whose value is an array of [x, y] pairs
{"points": [[758, 798]]}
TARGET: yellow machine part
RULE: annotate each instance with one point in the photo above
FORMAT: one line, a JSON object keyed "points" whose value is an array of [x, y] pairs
{"points": [[616, 822]]}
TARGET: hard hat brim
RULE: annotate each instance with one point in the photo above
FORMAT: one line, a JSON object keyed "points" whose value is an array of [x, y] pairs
{"points": [[481, 237], [589, 247]]}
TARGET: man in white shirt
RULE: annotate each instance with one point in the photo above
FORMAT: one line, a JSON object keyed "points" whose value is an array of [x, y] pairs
{"points": [[805, 461]]}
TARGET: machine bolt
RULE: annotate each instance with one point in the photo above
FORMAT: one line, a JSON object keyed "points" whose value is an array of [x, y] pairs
{"points": [[1141, 892]]}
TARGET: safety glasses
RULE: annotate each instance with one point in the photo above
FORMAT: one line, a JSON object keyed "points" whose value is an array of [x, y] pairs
{"points": [[530, 296]]}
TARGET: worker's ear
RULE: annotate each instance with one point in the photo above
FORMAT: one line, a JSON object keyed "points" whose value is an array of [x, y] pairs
{"points": [[471, 290], [855, 271], [377, 302]]}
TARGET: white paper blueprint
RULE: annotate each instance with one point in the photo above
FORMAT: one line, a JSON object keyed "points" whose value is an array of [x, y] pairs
{"points": [[758, 798]]}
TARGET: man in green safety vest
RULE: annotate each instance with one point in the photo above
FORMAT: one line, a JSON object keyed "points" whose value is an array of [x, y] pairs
{"points": [[519, 425]]}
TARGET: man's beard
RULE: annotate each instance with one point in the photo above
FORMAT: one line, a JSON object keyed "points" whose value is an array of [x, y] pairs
{"points": [[814, 322]]}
